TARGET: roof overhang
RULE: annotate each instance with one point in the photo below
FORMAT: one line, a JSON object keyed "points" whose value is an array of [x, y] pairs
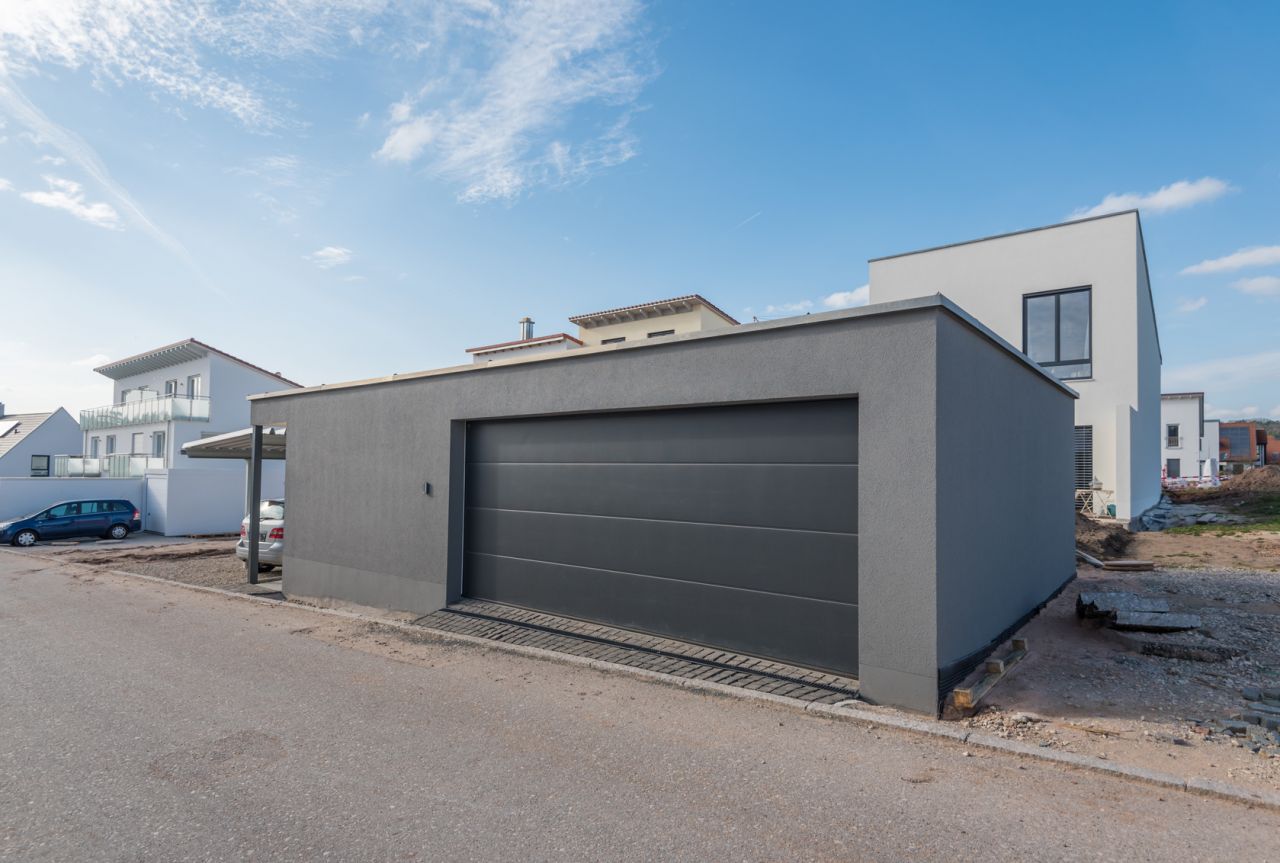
{"points": [[238, 444], [169, 355], [645, 311]]}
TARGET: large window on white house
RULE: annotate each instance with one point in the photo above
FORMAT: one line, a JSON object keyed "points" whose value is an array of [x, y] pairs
{"points": [[1084, 457], [1057, 331], [157, 444]]}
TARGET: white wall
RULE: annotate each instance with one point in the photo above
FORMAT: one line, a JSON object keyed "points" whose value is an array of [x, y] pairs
{"points": [[989, 278], [1185, 413], [24, 495], [1209, 451], [57, 435]]}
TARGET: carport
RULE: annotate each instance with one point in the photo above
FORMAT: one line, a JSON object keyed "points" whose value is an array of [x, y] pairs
{"points": [[252, 445], [821, 490]]}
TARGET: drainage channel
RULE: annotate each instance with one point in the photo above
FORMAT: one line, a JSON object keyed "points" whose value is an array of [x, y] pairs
{"points": [[650, 651]]}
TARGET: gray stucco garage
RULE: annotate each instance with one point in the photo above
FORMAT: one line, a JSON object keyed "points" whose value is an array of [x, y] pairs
{"points": [[825, 490]]}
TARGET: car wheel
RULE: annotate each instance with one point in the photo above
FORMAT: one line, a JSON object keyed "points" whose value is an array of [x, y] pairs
{"points": [[26, 538], [266, 567], [118, 531]]}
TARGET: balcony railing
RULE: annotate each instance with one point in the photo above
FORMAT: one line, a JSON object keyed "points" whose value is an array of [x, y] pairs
{"points": [[116, 465], [158, 410], [1173, 443]]}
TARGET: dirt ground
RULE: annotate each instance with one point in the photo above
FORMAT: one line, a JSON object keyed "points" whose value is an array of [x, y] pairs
{"points": [[208, 563], [1244, 550], [1092, 691]]}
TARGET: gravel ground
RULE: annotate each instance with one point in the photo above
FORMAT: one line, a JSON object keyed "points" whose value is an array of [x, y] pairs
{"points": [[1093, 691]]}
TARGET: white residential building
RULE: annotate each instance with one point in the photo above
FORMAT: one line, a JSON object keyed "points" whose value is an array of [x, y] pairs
{"points": [[28, 441], [162, 399], [1076, 298], [1188, 442], [169, 396]]}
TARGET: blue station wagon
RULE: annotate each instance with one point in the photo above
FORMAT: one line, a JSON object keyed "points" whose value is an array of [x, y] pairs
{"points": [[115, 519]]}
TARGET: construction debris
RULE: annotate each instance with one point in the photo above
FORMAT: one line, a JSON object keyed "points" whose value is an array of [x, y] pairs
{"points": [[968, 698], [1257, 728], [1159, 621], [1108, 604], [1130, 612], [1128, 565]]}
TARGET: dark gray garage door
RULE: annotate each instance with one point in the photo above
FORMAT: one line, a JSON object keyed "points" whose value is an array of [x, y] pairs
{"points": [[734, 527]]}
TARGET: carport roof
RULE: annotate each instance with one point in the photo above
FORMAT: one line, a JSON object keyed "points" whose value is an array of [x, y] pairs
{"points": [[237, 444]]}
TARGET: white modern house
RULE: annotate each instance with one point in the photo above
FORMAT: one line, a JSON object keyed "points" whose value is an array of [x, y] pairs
{"points": [[28, 441], [691, 313], [1188, 442], [162, 399], [1076, 298]]}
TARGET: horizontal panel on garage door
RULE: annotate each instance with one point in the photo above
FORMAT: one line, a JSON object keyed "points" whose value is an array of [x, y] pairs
{"points": [[813, 432], [730, 526]]}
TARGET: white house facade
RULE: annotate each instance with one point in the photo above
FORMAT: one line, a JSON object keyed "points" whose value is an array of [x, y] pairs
{"points": [[1188, 442], [1076, 298], [162, 399]]}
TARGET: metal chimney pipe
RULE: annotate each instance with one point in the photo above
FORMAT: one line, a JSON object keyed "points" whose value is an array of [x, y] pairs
{"points": [[526, 327]]}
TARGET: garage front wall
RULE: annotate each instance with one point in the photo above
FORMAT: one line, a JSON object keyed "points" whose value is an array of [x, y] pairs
{"points": [[363, 529]]}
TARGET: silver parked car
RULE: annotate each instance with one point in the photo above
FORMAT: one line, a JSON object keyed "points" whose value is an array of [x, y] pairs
{"points": [[270, 536]]}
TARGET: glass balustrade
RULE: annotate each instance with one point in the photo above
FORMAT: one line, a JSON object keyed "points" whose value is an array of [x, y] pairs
{"points": [[162, 409]]}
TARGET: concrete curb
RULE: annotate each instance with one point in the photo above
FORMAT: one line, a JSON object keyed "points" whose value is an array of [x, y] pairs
{"points": [[844, 711]]}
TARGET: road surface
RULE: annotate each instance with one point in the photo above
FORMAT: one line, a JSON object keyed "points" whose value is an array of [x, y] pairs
{"points": [[150, 722]]}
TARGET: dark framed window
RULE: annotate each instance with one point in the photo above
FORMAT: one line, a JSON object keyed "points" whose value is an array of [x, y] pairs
{"points": [[1173, 468], [1171, 433], [39, 465], [662, 333], [1057, 331], [616, 341]]}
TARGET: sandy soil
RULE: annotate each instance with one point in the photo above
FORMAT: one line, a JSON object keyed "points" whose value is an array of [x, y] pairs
{"points": [[1249, 550], [1092, 691], [209, 563]]}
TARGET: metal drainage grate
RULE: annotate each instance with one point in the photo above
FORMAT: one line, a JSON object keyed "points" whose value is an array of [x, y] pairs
{"points": [[714, 666]]}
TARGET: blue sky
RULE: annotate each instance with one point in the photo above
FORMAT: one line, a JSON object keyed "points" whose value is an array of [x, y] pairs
{"points": [[340, 191]]}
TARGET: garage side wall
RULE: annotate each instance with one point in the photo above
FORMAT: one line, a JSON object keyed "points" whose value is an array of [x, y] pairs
{"points": [[1006, 530], [362, 528]]}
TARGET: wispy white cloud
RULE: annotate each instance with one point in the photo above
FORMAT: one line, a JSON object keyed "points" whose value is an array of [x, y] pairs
{"points": [[844, 299], [174, 48], [1175, 196], [330, 257], [285, 184], [46, 132], [1225, 413], [56, 161], [1259, 286], [1222, 374], [508, 111], [789, 308], [68, 195], [5, 185], [1188, 306], [1253, 256], [749, 219], [91, 361]]}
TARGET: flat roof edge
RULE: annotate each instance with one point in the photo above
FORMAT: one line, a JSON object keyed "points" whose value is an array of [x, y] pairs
{"points": [[935, 301], [939, 248]]}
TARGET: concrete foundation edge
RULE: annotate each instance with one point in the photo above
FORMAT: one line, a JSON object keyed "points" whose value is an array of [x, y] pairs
{"points": [[846, 711]]}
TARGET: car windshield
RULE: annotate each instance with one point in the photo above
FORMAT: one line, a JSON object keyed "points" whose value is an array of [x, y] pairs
{"points": [[272, 509]]}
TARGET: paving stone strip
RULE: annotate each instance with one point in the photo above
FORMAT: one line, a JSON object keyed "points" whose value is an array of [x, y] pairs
{"points": [[511, 625]]}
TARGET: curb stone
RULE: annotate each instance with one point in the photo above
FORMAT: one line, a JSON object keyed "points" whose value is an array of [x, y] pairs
{"points": [[844, 711]]}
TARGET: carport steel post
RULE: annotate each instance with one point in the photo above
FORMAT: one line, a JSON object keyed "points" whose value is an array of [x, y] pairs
{"points": [[255, 507]]}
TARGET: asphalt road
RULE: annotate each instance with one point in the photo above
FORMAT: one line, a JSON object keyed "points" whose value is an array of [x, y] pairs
{"points": [[148, 722]]}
